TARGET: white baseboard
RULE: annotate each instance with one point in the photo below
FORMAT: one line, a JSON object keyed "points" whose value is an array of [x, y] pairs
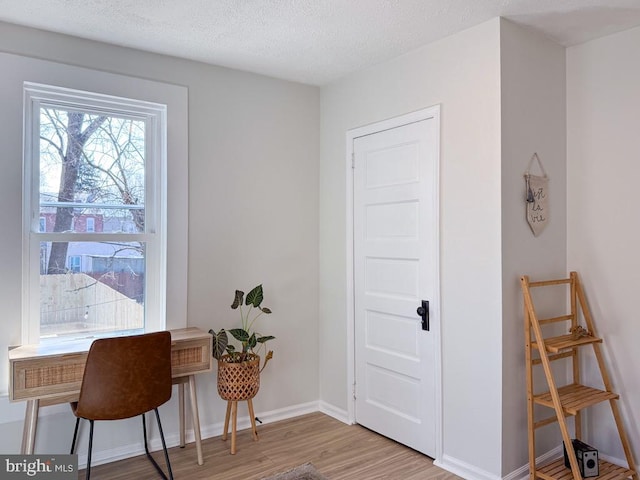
{"points": [[100, 457], [464, 469], [616, 461], [522, 473], [244, 422], [335, 412]]}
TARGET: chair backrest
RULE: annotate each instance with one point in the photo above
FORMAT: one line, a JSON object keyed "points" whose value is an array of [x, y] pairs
{"points": [[126, 376]]}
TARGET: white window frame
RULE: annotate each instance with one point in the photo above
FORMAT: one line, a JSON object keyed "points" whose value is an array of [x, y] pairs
{"points": [[155, 234], [92, 221]]}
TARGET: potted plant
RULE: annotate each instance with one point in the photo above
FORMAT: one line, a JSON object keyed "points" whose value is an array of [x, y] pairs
{"points": [[239, 368]]}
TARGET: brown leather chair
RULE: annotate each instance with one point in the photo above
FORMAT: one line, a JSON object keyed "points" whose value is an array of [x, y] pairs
{"points": [[125, 377]]}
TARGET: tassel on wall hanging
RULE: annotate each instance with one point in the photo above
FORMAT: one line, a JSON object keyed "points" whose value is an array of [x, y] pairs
{"points": [[537, 197]]}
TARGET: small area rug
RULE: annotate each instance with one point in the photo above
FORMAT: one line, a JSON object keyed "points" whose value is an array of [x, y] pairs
{"points": [[303, 472]]}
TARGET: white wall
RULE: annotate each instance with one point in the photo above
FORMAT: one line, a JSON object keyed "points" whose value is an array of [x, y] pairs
{"points": [[253, 147], [462, 73], [603, 145], [533, 120]]}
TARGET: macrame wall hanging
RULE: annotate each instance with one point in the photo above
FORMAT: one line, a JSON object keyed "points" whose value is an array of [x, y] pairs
{"points": [[537, 196]]}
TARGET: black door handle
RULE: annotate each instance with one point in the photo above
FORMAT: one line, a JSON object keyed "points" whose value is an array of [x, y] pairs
{"points": [[423, 312]]}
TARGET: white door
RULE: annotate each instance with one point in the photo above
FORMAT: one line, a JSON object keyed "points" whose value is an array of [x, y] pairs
{"points": [[395, 269]]}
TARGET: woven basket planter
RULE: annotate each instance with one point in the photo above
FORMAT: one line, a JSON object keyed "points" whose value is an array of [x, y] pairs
{"points": [[238, 381]]}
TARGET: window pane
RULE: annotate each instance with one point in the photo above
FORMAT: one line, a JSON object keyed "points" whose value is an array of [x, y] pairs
{"points": [[98, 290], [91, 167]]}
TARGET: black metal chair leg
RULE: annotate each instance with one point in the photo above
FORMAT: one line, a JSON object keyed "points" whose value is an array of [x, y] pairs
{"points": [[146, 449], [75, 436], [88, 476], [164, 445]]}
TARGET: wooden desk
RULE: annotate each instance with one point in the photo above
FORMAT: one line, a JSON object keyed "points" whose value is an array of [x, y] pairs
{"points": [[52, 374]]}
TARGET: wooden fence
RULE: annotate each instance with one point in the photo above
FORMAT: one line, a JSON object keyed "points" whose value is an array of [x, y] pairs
{"points": [[73, 303]]}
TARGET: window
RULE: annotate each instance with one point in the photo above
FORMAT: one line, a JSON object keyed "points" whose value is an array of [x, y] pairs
{"points": [[93, 165], [74, 263]]}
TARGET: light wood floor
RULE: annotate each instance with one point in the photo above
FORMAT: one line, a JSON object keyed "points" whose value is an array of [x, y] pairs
{"points": [[338, 451]]}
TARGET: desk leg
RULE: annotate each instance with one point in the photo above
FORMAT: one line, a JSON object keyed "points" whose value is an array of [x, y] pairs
{"points": [[30, 425], [196, 418], [181, 413]]}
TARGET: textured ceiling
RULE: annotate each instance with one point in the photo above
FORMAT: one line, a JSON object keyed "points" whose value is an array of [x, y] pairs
{"points": [[309, 41]]}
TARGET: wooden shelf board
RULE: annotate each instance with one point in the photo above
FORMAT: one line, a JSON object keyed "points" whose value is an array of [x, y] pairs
{"points": [[563, 342], [557, 471], [576, 397]]}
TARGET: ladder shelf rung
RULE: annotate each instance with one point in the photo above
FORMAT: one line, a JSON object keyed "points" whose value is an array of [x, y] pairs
{"points": [[552, 358], [561, 318], [545, 422], [563, 342], [557, 471], [548, 283], [575, 397]]}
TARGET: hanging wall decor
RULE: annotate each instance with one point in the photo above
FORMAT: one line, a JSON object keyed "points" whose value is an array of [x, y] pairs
{"points": [[537, 197]]}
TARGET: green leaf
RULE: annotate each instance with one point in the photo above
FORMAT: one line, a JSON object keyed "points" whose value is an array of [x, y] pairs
{"points": [[239, 334], [265, 338], [254, 297], [220, 342], [252, 341], [265, 310], [237, 301], [231, 348]]}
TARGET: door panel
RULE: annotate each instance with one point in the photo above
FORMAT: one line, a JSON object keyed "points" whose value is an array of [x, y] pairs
{"points": [[395, 256]]}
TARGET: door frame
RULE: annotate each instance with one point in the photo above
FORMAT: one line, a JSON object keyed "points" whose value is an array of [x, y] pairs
{"points": [[432, 112]]}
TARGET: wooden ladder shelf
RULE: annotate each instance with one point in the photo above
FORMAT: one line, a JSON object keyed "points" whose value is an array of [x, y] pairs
{"points": [[571, 399]]}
